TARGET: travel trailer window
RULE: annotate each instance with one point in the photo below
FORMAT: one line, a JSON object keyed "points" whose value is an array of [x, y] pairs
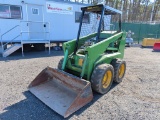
{"points": [[10, 12], [85, 17], [15, 12], [4, 11]]}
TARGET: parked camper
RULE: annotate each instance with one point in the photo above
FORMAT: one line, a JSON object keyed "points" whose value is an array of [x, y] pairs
{"points": [[31, 23]]}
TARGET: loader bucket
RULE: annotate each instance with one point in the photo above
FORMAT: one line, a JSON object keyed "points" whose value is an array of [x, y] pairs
{"points": [[61, 91], [156, 46]]}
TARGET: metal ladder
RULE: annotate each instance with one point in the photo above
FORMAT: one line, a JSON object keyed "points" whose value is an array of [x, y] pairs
{"points": [[6, 50], [8, 47]]}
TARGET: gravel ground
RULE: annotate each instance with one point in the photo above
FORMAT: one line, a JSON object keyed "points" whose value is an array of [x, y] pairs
{"points": [[137, 97]]}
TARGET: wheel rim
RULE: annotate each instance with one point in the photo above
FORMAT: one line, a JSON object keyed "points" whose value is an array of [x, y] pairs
{"points": [[121, 70], [107, 79]]}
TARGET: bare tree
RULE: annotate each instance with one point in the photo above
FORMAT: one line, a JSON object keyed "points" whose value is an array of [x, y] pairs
{"points": [[134, 10], [155, 11]]}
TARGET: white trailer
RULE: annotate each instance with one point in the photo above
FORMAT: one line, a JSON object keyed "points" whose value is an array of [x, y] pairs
{"points": [[26, 22]]}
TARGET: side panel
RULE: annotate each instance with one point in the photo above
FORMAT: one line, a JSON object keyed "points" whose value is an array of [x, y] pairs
{"points": [[7, 24], [97, 55], [63, 27]]}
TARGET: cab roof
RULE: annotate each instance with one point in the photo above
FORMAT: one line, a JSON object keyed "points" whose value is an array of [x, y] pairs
{"points": [[98, 8]]}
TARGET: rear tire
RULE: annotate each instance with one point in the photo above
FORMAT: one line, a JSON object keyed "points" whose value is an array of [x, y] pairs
{"points": [[102, 78], [119, 69], [60, 64]]}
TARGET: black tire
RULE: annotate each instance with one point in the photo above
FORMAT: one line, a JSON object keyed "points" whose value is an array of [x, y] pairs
{"points": [[118, 65], [60, 64], [39, 47], [98, 81]]}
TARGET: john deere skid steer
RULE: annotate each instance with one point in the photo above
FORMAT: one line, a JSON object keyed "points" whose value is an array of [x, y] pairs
{"points": [[91, 62]]}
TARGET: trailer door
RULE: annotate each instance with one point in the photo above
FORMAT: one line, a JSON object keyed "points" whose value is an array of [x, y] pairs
{"points": [[35, 24]]}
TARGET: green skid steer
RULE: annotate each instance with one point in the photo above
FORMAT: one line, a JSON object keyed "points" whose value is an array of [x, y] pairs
{"points": [[91, 62]]}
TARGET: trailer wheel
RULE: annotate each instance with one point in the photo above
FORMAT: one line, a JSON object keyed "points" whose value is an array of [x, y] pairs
{"points": [[60, 64], [119, 69], [39, 47], [102, 78]]}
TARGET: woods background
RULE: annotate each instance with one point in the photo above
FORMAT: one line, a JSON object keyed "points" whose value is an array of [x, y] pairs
{"points": [[133, 10], [137, 10]]}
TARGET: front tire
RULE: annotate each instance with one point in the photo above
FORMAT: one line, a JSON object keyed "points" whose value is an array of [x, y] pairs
{"points": [[119, 69], [102, 78]]}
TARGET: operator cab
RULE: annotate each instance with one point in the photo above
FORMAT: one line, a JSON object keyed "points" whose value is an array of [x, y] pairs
{"points": [[98, 28]]}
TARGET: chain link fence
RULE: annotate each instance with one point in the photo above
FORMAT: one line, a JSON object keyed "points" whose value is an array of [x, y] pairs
{"points": [[141, 30]]}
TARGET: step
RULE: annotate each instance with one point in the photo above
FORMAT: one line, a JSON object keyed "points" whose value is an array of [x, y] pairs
{"points": [[36, 41], [11, 49], [1, 50]]}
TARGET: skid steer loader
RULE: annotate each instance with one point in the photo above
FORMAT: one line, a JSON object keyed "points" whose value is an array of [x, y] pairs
{"points": [[91, 62]]}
